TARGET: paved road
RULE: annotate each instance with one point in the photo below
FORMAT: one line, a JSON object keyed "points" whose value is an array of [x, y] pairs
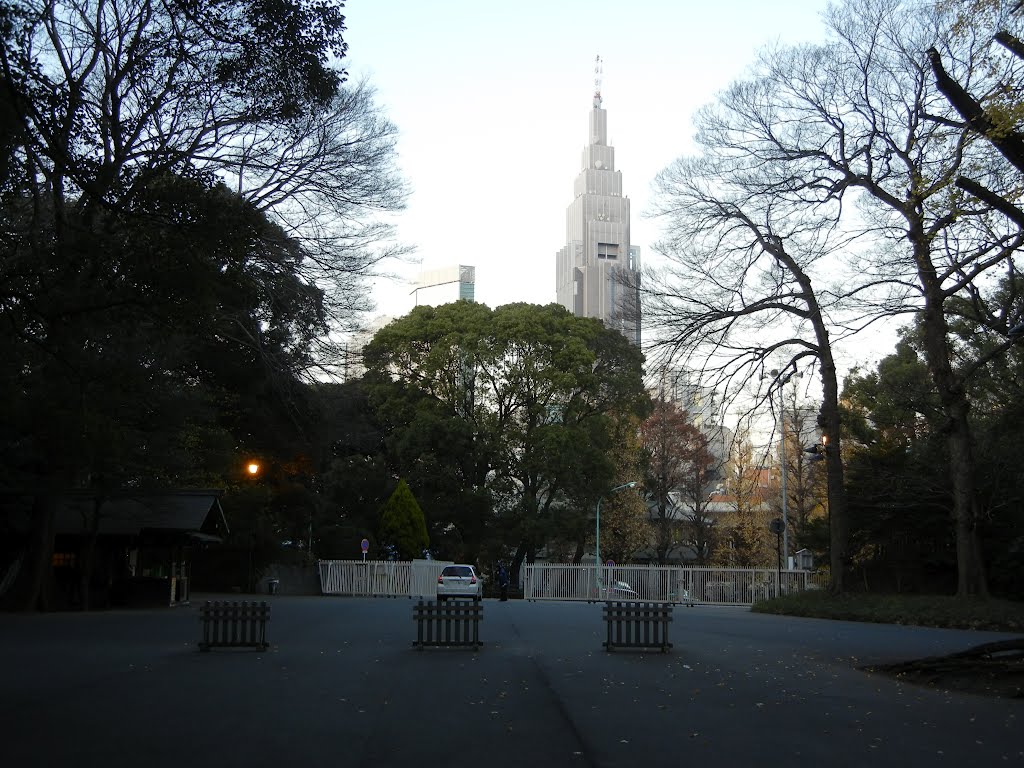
{"points": [[342, 686]]}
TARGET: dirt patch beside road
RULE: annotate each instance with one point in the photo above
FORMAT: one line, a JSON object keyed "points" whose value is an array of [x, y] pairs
{"points": [[992, 669]]}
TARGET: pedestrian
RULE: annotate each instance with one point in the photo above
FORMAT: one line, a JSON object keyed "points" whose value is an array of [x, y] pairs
{"points": [[503, 581]]}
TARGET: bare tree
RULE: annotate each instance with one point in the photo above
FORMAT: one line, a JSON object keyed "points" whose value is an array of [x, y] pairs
{"points": [[995, 113], [680, 472], [746, 531], [740, 292], [805, 496], [326, 180], [110, 94], [831, 151], [950, 246]]}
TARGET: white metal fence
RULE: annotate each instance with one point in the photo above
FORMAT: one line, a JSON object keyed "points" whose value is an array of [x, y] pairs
{"points": [[724, 586], [380, 578], [559, 581]]}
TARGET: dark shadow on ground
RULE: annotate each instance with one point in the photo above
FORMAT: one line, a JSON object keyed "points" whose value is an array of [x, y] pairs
{"points": [[991, 669]]}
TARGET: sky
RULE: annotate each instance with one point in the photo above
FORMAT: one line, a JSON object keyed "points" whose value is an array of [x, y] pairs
{"points": [[492, 101]]}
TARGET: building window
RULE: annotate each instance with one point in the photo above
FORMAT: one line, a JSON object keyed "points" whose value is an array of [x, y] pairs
{"points": [[63, 559], [607, 251]]}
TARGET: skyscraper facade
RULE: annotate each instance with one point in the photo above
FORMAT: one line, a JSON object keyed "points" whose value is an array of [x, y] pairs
{"points": [[442, 286], [597, 271]]}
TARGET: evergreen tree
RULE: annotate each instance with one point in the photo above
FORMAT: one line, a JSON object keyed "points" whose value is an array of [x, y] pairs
{"points": [[402, 525]]}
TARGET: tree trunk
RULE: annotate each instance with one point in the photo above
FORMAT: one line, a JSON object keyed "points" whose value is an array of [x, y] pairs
{"points": [[971, 580], [577, 556], [664, 537], [517, 564], [39, 558], [58, 417], [838, 523], [838, 516], [88, 555]]}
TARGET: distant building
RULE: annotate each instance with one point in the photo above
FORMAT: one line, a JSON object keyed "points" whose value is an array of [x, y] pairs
{"points": [[432, 288], [701, 403], [444, 286], [116, 548], [597, 270], [680, 386]]}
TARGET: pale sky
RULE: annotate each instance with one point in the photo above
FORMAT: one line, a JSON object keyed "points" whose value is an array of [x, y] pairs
{"points": [[492, 102]]}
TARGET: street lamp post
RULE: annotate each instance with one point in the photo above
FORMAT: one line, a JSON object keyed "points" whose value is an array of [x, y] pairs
{"points": [[785, 500], [597, 544], [776, 526]]}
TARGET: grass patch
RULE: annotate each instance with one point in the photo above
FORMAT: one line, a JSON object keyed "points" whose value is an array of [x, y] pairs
{"points": [[917, 610]]}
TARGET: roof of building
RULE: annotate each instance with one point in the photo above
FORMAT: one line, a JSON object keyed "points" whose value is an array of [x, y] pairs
{"points": [[193, 511]]}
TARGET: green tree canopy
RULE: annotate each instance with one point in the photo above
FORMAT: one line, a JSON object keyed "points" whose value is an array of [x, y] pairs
{"points": [[901, 499], [518, 404]]}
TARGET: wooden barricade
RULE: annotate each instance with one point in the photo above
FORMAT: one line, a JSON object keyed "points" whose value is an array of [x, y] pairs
{"points": [[231, 624], [637, 625], [451, 623]]}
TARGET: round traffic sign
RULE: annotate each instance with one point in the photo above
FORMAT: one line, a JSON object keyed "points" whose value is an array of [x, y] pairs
{"points": [[364, 545]]}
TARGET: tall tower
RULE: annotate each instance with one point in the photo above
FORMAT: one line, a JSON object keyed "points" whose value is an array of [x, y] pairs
{"points": [[597, 271]]}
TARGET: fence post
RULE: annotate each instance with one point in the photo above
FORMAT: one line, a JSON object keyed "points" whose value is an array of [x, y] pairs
{"points": [[227, 624], [454, 623]]}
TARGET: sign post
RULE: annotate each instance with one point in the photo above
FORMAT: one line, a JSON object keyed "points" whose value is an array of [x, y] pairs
{"points": [[365, 546]]}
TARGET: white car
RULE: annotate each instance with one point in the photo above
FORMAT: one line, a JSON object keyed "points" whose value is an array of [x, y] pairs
{"points": [[459, 581]]}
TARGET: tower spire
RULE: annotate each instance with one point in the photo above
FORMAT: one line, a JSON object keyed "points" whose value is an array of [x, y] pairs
{"points": [[597, 271]]}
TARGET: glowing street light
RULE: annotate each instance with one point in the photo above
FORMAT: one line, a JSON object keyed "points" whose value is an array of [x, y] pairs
{"points": [[253, 468]]}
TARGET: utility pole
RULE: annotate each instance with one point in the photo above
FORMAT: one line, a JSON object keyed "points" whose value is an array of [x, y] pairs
{"points": [[784, 472], [785, 495]]}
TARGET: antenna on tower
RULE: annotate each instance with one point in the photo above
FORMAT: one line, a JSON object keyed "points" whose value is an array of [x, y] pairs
{"points": [[598, 71]]}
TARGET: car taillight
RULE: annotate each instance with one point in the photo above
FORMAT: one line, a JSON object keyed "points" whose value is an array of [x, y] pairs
{"points": [[472, 579], [440, 580]]}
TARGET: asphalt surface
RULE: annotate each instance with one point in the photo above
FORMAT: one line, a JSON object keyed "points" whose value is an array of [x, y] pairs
{"points": [[343, 686]]}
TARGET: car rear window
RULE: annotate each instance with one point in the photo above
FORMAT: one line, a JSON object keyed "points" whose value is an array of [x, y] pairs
{"points": [[457, 570]]}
